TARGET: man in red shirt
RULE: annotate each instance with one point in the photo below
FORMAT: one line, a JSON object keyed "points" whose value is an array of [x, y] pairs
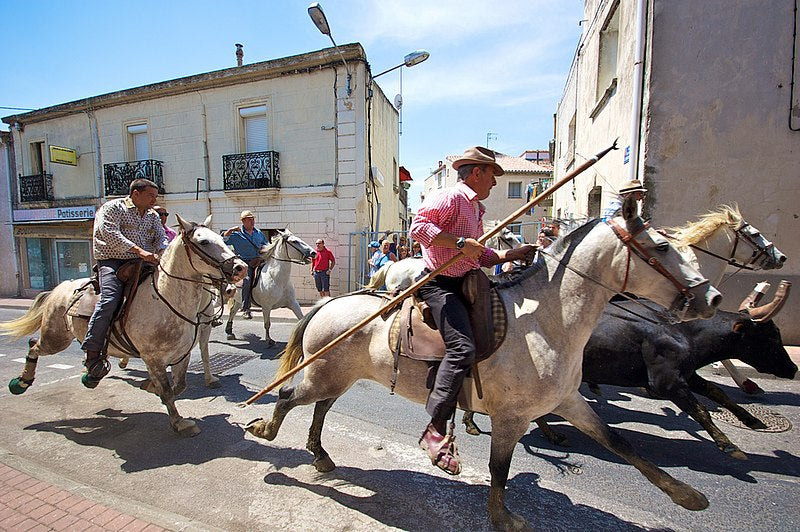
{"points": [[446, 224], [321, 268]]}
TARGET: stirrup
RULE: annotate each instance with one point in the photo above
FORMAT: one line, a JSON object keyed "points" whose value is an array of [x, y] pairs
{"points": [[96, 369]]}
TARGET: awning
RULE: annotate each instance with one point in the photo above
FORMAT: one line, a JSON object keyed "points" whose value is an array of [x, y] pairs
{"points": [[405, 175]]}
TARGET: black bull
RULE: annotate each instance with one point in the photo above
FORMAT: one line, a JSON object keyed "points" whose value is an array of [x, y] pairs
{"points": [[629, 351]]}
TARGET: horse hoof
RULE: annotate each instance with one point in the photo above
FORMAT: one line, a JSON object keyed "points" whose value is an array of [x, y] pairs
{"points": [[90, 382], [511, 521], [213, 384], [123, 363], [270, 343], [17, 386], [186, 428], [231, 336], [472, 429], [736, 453], [690, 498], [260, 429], [324, 465]]}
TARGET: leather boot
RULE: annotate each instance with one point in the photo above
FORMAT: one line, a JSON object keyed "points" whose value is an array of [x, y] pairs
{"points": [[229, 331], [97, 367]]}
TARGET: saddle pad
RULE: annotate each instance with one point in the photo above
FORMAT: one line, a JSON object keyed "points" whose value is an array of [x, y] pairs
{"points": [[420, 342], [82, 302]]}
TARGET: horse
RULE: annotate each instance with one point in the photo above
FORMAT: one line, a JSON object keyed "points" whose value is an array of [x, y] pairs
{"points": [[274, 288], [161, 322], [401, 274], [552, 308], [715, 238]]}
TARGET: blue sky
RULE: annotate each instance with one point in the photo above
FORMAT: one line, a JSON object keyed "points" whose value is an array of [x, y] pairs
{"points": [[495, 67]]}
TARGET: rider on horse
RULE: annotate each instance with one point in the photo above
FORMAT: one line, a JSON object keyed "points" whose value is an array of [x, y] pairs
{"points": [[247, 241], [446, 224], [125, 229]]}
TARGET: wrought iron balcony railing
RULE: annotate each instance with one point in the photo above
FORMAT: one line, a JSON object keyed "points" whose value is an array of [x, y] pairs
{"points": [[242, 171], [118, 176], [38, 187]]}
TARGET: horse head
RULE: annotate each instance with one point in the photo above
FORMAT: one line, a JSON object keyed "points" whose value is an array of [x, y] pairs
{"points": [[215, 256], [288, 247], [663, 275]]}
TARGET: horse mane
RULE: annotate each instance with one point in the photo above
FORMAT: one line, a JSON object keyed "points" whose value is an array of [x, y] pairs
{"points": [[694, 232], [273, 244], [559, 245]]}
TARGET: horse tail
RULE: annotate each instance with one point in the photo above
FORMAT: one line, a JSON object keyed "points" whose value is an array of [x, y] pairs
{"points": [[28, 323], [378, 278], [293, 353]]}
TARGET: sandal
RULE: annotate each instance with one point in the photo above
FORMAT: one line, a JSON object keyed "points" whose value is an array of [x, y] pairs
{"points": [[441, 450]]}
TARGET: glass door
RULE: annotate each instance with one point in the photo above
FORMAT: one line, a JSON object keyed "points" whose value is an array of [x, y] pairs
{"points": [[74, 259]]}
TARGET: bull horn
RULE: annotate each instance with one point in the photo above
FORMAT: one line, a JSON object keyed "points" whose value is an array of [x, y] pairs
{"points": [[768, 311], [754, 297]]}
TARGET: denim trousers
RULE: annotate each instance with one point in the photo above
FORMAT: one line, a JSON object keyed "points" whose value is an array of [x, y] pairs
{"points": [[110, 296], [246, 288]]}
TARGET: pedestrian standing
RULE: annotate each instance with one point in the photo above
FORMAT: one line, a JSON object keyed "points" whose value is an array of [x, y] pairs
{"points": [[321, 267]]}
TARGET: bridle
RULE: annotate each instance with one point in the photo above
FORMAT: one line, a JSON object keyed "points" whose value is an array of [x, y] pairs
{"points": [[685, 297], [287, 241], [740, 234]]}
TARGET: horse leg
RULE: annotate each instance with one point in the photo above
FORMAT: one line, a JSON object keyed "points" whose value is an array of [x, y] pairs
{"points": [[179, 376], [123, 362], [506, 432], [713, 392], [159, 384], [268, 430], [469, 423], [265, 316], [552, 436], [20, 384], [236, 304], [204, 335], [575, 410], [53, 339], [295, 306], [322, 461]]}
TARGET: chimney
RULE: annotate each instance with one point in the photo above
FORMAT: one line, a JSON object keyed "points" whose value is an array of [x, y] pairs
{"points": [[239, 54]]}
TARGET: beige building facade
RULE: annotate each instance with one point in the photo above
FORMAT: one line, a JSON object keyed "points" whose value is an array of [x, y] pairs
{"points": [[282, 138], [703, 99]]}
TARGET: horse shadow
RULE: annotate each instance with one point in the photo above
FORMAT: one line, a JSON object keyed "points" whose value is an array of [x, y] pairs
{"points": [[231, 388], [411, 500], [253, 343]]}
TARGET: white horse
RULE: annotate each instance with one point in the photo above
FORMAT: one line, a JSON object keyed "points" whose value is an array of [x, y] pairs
{"points": [[724, 238], [162, 319], [552, 309], [274, 288], [398, 276]]}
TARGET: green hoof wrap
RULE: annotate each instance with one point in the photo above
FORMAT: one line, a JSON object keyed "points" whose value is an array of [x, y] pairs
{"points": [[17, 386], [89, 382]]}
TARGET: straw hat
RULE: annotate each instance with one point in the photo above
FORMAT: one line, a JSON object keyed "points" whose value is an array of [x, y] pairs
{"points": [[246, 214], [632, 186], [478, 155]]}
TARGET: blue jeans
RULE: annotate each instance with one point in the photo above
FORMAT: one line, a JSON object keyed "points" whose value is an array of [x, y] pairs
{"points": [[110, 296], [246, 288], [322, 279]]}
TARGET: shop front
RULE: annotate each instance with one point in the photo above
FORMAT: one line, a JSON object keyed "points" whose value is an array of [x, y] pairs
{"points": [[54, 245]]}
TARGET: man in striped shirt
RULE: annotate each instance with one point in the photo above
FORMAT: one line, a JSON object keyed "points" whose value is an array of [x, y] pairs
{"points": [[446, 224], [124, 229]]}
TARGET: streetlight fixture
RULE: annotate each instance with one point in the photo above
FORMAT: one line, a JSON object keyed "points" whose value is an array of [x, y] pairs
{"points": [[318, 17], [414, 58]]}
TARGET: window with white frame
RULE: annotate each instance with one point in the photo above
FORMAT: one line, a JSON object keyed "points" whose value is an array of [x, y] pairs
{"points": [[517, 230], [138, 143], [254, 132], [607, 52], [514, 189]]}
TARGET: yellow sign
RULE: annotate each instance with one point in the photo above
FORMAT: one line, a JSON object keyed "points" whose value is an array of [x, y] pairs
{"points": [[63, 156]]}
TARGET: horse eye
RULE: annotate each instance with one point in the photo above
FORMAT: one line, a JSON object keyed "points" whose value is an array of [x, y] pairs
{"points": [[203, 242]]}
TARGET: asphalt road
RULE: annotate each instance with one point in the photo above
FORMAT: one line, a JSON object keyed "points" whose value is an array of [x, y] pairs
{"points": [[114, 444]]}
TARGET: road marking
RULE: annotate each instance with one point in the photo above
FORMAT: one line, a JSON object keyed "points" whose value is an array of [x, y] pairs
{"points": [[60, 366], [22, 360]]}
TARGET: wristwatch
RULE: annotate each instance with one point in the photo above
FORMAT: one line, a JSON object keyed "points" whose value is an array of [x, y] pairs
{"points": [[460, 242]]}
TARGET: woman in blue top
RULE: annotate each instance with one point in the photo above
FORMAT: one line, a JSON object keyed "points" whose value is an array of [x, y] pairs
{"points": [[382, 256]]}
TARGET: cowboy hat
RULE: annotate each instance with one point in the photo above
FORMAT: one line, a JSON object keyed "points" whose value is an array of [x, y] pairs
{"points": [[478, 155], [632, 186], [246, 214]]}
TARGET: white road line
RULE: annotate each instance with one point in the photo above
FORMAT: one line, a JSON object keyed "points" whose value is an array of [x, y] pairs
{"points": [[60, 366], [22, 360]]}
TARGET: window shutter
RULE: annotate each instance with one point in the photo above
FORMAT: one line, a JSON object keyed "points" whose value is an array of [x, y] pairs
{"points": [[141, 149], [255, 128]]}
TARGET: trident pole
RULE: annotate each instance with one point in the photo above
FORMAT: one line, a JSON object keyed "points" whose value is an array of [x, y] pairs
{"points": [[414, 287]]}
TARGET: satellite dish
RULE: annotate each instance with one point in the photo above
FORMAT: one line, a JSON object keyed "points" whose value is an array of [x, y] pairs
{"points": [[398, 101]]}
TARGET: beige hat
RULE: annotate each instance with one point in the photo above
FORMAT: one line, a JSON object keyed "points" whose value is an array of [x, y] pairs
{"points": [[246, 214], [478, 155], [632, 186]]}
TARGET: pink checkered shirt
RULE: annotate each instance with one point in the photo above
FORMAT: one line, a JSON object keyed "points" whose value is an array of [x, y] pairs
{"points": [[457, 211]]}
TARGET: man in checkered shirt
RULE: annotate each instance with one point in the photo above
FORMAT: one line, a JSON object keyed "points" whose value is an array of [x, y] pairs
{"points": [[449, 223], [124, 229]]}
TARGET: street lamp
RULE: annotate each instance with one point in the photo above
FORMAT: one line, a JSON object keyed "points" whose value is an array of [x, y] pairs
{"points": [[414, 58], [318, 17]]}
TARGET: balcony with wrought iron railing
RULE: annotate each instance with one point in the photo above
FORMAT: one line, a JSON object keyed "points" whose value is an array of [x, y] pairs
{"points": [[118, 176], [244, 171], [37, 187]]}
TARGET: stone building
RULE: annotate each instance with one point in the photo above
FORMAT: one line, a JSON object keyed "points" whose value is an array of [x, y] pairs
{"points": [[283, 138], [703, 99]]}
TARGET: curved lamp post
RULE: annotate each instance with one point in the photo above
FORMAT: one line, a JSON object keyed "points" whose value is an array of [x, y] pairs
{"points": [[318, 17]]}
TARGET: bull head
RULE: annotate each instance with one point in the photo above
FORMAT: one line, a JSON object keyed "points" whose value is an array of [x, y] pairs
{"points": [[768, 311]]}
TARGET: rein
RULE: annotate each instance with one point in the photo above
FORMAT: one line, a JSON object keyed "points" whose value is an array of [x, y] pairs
{"points": [[286, 243], [758, 251]]}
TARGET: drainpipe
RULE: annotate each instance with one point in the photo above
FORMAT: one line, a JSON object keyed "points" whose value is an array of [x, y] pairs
{"points": [[638, 77], [98, 162]]}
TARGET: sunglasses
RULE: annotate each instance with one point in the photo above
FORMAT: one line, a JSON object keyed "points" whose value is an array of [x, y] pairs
{"points": [[163, 214]]}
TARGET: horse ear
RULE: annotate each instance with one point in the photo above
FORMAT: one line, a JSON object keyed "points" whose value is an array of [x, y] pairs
{"points": [[185, 226], [207, 221], [629, 209]]}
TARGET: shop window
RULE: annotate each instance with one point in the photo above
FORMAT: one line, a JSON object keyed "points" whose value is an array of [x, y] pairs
{"points": [[40, 267], [74, 259]]}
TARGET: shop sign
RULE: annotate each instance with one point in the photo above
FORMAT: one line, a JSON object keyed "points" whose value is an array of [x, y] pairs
{"points": [[63, 155], [61, 214]]}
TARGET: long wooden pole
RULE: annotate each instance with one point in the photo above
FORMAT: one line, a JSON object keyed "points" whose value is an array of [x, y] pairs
{"points": [[414, 287]]}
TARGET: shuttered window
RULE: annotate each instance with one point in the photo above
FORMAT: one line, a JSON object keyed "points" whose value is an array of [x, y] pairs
{"points": [[140, 148], [254, 125]]}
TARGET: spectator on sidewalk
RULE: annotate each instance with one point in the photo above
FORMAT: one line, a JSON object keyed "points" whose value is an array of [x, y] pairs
{"points": [[163, 215], [321, 267]]}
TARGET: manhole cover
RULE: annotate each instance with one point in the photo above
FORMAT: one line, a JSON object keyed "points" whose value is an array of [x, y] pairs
{"points": [[774, 421], [221, 362]]}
